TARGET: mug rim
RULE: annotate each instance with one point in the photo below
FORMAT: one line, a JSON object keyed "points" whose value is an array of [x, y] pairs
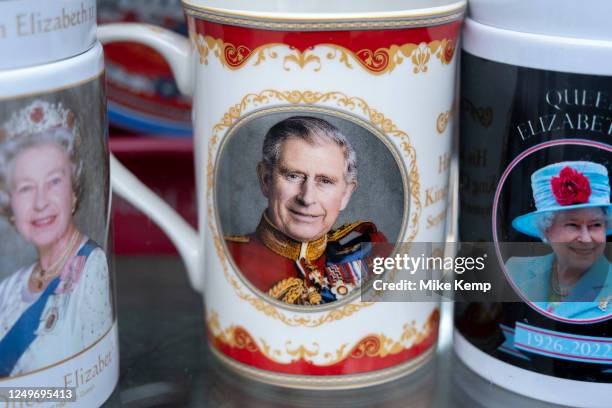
{"points": [[448, 8], [556, 390], [51, 77], [538, 51], [548, 17], [36, 37]]}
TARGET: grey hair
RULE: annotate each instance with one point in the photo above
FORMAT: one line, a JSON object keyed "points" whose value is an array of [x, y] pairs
{"points": [[10, 149], [545, 220], [311, 130]]}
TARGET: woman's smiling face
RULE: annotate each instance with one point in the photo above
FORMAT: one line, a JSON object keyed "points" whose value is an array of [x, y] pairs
{"points": [[41, 194], [578, 237]]}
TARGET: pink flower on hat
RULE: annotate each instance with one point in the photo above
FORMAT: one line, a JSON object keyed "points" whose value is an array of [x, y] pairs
{"points": [[571, 187]]}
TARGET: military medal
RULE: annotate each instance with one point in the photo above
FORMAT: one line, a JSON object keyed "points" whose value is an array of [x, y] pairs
{"points": [[41, 277], [342, 290]]}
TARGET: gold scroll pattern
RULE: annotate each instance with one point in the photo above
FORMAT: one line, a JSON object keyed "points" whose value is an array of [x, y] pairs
{"points": [[372, 345], [378, 62], [373, 22], [295, 97], [442, 121]]}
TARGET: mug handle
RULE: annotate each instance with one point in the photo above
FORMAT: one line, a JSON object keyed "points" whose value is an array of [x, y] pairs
{"points": [[177, 51]]}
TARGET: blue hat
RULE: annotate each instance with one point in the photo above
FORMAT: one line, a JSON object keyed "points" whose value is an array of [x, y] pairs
{"points": [[566, 186]]}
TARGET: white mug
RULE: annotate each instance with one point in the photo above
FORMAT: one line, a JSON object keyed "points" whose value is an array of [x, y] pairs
{"points": [[57, 321], [321, 128]]}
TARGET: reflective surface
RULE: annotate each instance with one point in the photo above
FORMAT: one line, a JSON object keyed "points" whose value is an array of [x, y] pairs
{"points": [[165, 361]]}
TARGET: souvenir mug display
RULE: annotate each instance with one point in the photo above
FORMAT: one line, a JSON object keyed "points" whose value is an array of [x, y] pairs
{"points": [[57, 323], [321, 129], [536, 162]]}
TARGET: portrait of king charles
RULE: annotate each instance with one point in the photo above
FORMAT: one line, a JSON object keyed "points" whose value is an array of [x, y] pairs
{"points": [[307, 173]]}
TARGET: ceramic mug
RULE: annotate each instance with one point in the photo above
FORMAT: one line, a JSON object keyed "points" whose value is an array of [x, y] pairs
{"points": [[537, 137], [321, 129], [57, 323]]}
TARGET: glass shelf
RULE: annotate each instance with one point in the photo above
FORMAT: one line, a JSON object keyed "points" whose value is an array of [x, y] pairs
{"points": [[165, 361]]}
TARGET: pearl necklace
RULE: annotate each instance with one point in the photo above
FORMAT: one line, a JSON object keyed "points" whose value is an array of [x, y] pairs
{"points": [[559, 293], [40, 277]]}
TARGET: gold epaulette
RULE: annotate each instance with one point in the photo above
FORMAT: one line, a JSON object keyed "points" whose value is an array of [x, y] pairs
{"points": [[243, 239], [343, 231], [295, 292]]}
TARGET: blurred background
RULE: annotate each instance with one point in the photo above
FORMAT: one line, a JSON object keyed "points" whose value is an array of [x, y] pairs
{"points": [[150, 125]]}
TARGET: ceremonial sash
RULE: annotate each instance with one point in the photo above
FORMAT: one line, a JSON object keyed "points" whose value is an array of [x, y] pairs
{"points": [[87, 248], [22, 334]]}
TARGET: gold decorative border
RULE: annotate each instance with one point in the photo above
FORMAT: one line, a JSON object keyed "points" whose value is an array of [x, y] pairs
{"points": [[72, 357], [328, 21], [443, 120], [377, 62], [372, 345], [346, 116], [305, 98], [331, 382]]}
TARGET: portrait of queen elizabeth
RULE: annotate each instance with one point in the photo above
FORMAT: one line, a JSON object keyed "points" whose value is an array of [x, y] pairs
{"points": [[573, 216], [60, 304]]}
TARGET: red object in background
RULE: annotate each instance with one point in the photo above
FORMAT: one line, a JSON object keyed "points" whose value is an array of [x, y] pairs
{"points": [[142, 94], [165, 166]]}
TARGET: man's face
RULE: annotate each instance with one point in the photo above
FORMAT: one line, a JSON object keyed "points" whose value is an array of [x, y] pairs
{"points": [[307, 188]]}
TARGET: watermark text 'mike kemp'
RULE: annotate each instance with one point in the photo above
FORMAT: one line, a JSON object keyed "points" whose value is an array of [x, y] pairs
{"points": [[433, 285]]}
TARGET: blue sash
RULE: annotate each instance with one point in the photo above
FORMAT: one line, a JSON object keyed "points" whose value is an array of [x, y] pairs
{"points": [[22, 334], [87, 248]]}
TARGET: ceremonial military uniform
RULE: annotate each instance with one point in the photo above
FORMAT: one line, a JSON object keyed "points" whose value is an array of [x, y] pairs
{"points": [[316, 272]]}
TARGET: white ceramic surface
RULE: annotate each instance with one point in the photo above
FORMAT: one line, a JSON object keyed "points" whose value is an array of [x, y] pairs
{"points": [[561, 18], [324, 9], [37, 32], [544, 387], [541, 51]]}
